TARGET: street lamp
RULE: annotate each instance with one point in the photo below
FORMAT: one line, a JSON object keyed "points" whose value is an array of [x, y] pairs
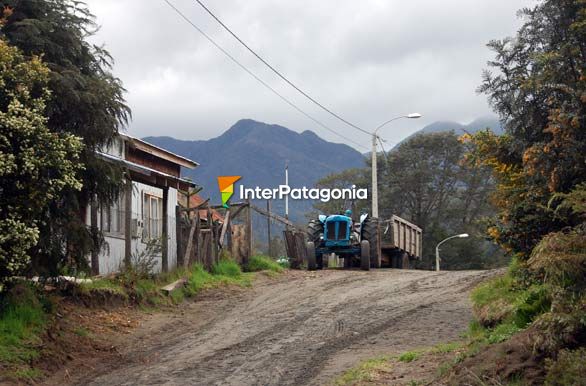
{"points": [[437, 256], [374, 165]]}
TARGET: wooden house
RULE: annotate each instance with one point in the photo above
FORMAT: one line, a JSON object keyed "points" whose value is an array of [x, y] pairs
{"points": [[146, 209]]}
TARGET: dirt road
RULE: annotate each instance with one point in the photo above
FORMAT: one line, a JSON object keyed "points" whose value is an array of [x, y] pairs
{"points": [[302, 330]]}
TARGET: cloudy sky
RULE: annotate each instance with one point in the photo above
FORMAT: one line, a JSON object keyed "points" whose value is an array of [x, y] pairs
{"points": [[367, 60]]}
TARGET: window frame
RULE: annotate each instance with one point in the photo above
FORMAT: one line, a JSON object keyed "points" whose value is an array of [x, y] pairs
{"points": [[150, 221]]}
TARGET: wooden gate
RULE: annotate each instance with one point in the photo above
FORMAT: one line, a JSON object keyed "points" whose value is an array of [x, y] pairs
{"points": [[295, 246]]}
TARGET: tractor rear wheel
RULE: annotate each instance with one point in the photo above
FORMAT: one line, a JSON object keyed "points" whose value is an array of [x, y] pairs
{"points": [[347, 261], [315, 229], [370, 232], [364, 255], [311, 259]]}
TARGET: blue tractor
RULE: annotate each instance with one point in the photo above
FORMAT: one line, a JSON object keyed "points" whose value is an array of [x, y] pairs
{"points": [[356, 243]]}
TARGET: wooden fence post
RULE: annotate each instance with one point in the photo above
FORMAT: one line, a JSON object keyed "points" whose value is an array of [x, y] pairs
{"points": [[248, 233]]}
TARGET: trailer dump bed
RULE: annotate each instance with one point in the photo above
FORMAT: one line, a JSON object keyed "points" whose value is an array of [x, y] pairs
{"points": [[401, 242]]}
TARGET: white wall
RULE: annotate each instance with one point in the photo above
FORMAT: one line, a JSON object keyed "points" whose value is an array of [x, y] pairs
{"points": [[111, 257]]}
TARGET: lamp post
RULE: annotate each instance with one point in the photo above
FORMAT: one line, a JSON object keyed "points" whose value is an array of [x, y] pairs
{"points": [[374, 164], [437, 256]]}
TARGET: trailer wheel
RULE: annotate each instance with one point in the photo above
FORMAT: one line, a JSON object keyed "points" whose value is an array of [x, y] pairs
{"points": [[364, 255], [311, 260]]}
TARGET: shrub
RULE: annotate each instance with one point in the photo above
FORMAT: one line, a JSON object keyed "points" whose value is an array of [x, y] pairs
{"points": [[503, 300], [568, 369], [561, 256]]}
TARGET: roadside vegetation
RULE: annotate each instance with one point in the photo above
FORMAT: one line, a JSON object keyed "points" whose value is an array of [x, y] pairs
{"points": [[263, 263], [24, 316], [529, 325], [28, 312]]}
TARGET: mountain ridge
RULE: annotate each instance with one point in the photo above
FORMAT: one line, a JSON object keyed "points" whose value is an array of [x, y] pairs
{"points": [[259, 152]]}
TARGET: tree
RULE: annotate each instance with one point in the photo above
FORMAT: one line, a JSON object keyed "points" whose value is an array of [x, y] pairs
{"points": [[86, 100], [36, 165], [538, 87], [425, 181], [343, 180]]}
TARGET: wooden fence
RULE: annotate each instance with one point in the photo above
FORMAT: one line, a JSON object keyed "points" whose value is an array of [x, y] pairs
{"points": [[201, 238]]}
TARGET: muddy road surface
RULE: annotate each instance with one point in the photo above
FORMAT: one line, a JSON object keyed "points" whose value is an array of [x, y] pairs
{"points": [[301, 329]]}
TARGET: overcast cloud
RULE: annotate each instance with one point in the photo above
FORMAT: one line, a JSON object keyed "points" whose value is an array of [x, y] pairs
{"points": [[368, 60]]}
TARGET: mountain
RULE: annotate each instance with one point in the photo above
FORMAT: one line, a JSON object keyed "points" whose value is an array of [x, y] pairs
{"points": [[259, 152], [478, 124]]}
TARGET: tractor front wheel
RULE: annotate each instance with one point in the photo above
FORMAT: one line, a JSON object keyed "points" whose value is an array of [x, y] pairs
{"points": [[311, 258], [364, 255]]}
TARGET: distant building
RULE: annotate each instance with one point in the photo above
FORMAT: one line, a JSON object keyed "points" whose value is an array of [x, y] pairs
{"points": [[145, 210]]}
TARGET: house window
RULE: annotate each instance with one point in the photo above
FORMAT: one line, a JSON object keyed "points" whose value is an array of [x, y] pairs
{"points": [[112, 217], [153, 216]]}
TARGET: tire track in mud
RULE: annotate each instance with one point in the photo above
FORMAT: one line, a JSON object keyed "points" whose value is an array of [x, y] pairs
{"points": [[305, 330]]}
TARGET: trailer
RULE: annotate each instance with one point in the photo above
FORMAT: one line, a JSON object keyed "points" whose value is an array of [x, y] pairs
{"points": [[401, 243]]}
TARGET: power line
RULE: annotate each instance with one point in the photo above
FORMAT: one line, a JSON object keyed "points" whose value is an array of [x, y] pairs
{"points": [[277, 72], [233, 59]]}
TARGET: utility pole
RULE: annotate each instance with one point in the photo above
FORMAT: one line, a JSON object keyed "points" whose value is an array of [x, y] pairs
{"points": [[287, 184], [374, 178], [269, 225], [374, 165]]}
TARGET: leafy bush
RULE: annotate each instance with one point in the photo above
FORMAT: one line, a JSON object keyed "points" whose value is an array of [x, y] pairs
{"points": [[36, 165], [142, 263], [263, 263], [561, 256]]}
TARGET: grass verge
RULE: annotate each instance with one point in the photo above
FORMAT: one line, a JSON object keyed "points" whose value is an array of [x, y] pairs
{"points": [[377, 369], [263, 263], [24, 315], [364, 372]]}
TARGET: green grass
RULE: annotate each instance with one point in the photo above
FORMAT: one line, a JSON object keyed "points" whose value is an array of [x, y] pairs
{"points": [[102, 284], [364, 372], [227, 268], [29, 374], [225, 272], [81, 331], [263, 263], [503, 301], [23, 318], [24, 312], [409, 356], [443, 348]]}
